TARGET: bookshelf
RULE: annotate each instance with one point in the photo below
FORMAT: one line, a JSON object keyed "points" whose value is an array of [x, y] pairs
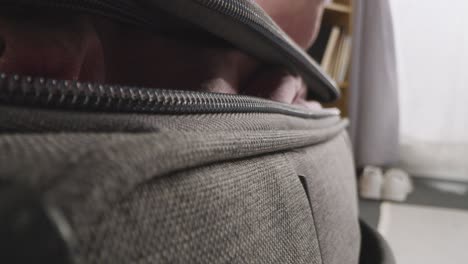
{"points": [[332, 49], [339, 7]]}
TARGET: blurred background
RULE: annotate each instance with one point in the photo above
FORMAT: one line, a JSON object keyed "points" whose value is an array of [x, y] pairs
{"points": [[402, 68]]}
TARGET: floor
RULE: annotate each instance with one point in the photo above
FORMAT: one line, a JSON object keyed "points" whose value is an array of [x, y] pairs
{"points": [[431, 227]]}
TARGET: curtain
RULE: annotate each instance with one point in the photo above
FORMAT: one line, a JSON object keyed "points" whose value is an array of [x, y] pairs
{"points": [[373, 108], [432, 54]]}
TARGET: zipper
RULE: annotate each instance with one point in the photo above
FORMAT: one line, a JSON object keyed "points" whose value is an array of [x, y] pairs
{"points": [[245, 24], [73, 95], [240, 22]]}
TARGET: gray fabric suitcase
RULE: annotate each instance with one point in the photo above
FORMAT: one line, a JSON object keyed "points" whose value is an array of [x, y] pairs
{"points": [[94, 173], [205, 188]]}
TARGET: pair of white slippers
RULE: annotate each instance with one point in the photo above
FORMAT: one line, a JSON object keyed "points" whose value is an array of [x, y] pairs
{"points": [[393, 185]]}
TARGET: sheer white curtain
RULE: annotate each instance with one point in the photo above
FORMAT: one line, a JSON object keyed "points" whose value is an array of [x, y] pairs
{"points": [[373, 107], [432, 55]]}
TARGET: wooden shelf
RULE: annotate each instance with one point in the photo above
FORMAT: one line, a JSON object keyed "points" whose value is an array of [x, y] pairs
{"points": [[340, 13], [344, 85], [341, 8]]}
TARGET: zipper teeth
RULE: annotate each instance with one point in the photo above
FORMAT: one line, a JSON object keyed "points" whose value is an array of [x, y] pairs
{"points": [[240, 11], [243, 11], [88, 96], [254, 17], [74, 95]]}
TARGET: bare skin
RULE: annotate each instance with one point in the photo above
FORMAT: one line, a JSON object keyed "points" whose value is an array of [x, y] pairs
{"points": [[86, 48]]}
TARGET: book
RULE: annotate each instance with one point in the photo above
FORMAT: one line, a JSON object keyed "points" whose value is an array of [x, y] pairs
{"points": [[332, 50], [326, 62], [336, 63], [345, 59], [320, 44]]}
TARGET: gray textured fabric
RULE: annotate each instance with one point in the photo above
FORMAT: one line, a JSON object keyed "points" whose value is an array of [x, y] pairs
{"points": [[333, 196], [191, 189], [23, 120], [374, 103], [236, 212]]}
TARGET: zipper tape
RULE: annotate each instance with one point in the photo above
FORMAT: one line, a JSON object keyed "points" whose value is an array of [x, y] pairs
{"points": [[73, 95]]}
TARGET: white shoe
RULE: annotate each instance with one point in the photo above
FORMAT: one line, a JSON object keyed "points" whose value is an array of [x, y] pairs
{"points": [[370, 183], [396, 186]]}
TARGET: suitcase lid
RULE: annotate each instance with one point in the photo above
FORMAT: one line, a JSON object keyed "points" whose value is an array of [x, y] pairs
{"points": [[242, 23]]}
